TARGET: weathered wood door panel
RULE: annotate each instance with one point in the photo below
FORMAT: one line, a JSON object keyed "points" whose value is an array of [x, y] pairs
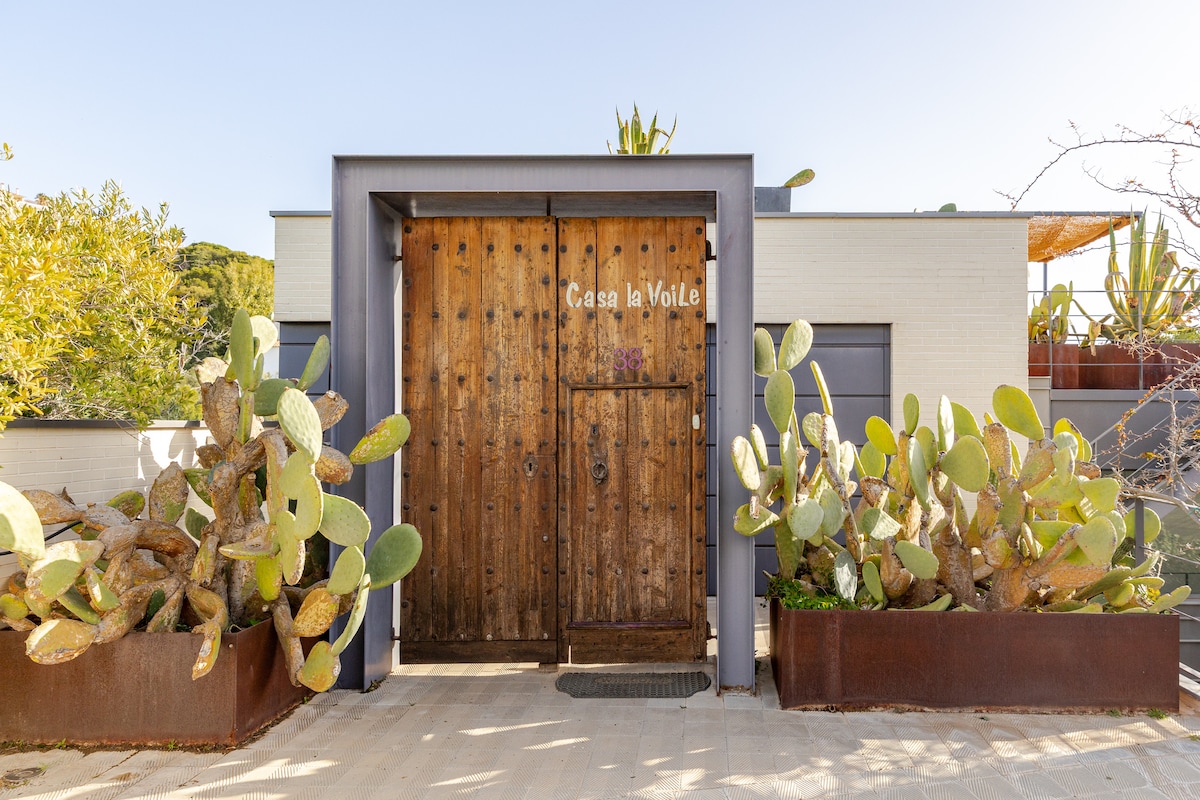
{"points": [[631, 490], [630, 512], [533, 350], [480, 476]]}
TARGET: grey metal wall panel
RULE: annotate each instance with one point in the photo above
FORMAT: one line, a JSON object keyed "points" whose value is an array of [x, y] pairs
{"points": [[295, 344]]}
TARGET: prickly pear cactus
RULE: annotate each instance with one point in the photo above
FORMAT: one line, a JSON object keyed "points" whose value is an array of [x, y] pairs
{"points": [[1047, 532], [243, 563]]}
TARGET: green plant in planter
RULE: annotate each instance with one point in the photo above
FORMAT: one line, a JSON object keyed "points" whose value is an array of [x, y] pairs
{"points": [[1048, 319], [135, 565], [1155, 297], [1047, 532]]}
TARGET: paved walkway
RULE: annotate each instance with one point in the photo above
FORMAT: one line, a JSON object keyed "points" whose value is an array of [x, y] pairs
{"points": [[506, 732]]}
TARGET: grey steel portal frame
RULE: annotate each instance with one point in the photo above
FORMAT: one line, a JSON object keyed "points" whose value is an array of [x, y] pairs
{"points": [[371, 193]]}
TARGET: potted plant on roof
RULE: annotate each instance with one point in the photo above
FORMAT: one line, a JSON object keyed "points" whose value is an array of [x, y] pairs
{"points": [[165, 619], [1154, 306], [936, 567], [1049, 325]]}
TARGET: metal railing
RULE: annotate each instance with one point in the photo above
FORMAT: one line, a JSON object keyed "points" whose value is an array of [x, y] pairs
{"points": [[1153, 337]]}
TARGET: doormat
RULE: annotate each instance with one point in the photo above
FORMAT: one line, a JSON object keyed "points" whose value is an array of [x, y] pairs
{"points": [[632, 684]]}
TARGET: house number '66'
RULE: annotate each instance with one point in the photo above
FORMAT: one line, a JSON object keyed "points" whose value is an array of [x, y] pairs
{"points": [[627, 359]]}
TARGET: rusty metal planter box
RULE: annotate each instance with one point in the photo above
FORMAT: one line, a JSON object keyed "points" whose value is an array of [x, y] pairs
{"points": [[139, 690], [975, 661]]}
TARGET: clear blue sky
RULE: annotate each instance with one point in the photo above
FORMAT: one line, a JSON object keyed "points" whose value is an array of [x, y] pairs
{"points": [[227, 110]]}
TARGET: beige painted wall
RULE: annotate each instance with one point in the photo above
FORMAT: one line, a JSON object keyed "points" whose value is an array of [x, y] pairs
{"points": [[952, 288], [303, 254], [92, 462]]}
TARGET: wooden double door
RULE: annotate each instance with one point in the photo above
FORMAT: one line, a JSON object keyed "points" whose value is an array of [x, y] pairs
{"points": [[553, 372]]}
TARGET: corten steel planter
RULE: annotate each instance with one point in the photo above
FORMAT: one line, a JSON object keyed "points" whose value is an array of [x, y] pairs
{"points": [[979, 661], [1061, 364], [139, 690]]}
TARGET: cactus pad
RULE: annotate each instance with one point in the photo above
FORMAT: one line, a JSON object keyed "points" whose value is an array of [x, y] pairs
{"points": [[61, 565], [1151, 521], [780, 398], [878, 525], [912, 413], [265, 332], [747, 525], [296, 472], [1102, 493], [388, 436], [321, 668], [1015, 411], [804, 520], [745, 464], [845, 575], [58, 640], [194, 522], [129, 503], [300, 422], [357, 612], [879, 433], [347, 571], [945, 423], [318, 360], [169, 494], [1098, 540], [309, 507], [268, 576], [797, 341], [967, 464], [393, 555], [20, 528], [316, 614], [764, 353], [870, 574], [917, 560], [965, 423], [266, 396], [241, 349], [344, 522]]}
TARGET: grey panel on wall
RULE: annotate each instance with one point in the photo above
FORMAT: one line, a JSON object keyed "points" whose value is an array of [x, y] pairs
{"points": [[295, 343], [856, 363]]}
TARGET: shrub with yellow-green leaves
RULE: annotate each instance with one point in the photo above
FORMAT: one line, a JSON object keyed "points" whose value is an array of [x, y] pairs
{"points": [[91, 317]]}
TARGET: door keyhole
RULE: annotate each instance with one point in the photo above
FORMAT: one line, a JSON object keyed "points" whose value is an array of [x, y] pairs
{"points": [[599, 471], [530, 466]]}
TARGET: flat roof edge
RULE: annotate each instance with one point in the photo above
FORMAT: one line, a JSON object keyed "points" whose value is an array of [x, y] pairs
{"points": [[933, 214], [545, 158], [300, 213]]}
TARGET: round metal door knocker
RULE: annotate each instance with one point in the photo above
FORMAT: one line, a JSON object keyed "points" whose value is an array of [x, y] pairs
{"points": [[599, 471]]}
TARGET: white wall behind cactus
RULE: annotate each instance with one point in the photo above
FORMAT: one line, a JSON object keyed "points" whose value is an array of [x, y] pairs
{"points": [[92, 460]]}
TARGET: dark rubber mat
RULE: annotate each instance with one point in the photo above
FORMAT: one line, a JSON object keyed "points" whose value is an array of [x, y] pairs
{"points": [[632, 684]]}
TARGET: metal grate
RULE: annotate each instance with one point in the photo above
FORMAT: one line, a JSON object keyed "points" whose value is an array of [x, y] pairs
{"points": [[632, 684]]}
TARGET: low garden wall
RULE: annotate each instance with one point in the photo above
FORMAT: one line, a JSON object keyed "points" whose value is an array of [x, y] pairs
{"points": [[92, 459]]}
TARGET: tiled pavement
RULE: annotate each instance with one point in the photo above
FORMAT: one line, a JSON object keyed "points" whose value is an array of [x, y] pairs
{"points": [[506, 732]]}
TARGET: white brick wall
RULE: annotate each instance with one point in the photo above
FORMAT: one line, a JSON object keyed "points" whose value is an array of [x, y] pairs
{"points": [[303, 255], [952, 289], [93, 463]]}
